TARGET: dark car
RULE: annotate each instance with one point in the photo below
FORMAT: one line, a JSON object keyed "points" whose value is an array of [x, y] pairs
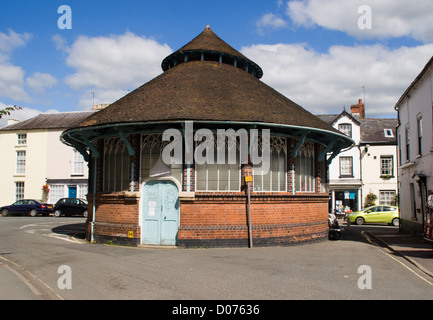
{"points": [[27, 206], [70, 206]]}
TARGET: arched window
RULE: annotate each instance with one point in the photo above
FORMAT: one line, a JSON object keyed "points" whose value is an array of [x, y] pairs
{"points": [[304, 168], [152, 165], [275, 178], [116, 165]]}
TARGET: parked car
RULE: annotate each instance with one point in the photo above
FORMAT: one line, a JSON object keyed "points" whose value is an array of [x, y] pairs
{"points": [[70, 206], [376, 214], [27, 206]]}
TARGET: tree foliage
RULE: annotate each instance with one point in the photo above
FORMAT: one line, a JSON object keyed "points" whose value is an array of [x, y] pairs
{"points": [[8, 110]]}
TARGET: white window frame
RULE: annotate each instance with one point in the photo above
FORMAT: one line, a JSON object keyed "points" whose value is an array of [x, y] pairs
{"points": [[21, 162], [21, 139], [386, 197], [57, 191], [343, 172], [19, 190], [77, 163], [345, 128], [386, 165]]}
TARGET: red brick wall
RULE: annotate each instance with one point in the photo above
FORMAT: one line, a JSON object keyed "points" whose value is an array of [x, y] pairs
{"points": [[275, 218], [117, 216]]}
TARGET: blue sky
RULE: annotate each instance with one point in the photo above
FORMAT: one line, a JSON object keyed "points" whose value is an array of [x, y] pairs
{"points": [[312, 51]]}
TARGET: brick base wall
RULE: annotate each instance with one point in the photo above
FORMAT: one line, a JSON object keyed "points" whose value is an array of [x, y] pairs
{"points": [[215, 220], [116, 220], [219, 219]]}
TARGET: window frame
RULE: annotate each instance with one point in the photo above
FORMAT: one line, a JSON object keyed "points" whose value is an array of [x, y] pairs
{"points": [[419, 134], [346, 175], [349, 126], [279, 145], [21, 139], [205, 168], [19, 190], [407, 137], [386, 157], [305, 169], [77, 163], [20, 168], [386, 197]]}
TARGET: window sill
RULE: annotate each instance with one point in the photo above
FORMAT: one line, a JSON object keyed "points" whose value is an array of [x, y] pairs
{"points": [[346, 176]]}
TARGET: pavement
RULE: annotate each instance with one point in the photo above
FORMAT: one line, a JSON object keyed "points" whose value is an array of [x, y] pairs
{"points": [[414, 249]]}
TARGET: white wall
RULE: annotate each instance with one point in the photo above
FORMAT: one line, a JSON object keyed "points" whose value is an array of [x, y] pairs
{"points": [[371, 170], [36, 158], [418, 104]]}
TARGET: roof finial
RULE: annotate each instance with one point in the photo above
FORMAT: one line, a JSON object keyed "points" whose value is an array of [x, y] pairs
{"points": [[207, 27]]}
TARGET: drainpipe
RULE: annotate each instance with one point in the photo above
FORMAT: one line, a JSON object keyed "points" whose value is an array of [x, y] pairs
{"points": [[92, 238], [360, 177], [248, 180]]}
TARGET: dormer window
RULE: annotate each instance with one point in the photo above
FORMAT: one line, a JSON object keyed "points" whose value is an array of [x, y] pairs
{"points": [[388, 133], [345, 128]]}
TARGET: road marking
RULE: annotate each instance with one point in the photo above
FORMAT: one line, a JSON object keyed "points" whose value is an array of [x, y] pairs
{"points": [[395, 259], [48, 233], [24, 279]]}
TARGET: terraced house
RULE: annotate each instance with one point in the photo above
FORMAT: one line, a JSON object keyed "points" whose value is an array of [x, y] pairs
{"points": [[36, 165]]}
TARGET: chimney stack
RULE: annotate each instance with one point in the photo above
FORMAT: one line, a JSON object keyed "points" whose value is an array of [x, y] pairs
{"points": [[358, 110]]}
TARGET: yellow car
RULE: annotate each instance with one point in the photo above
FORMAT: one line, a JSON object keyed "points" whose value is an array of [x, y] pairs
{"points": [[376, 214]]}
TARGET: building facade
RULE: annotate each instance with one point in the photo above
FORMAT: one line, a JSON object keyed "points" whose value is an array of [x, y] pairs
{"points": [[365, 174], [38, 165], [206, 155], [415, 147]]}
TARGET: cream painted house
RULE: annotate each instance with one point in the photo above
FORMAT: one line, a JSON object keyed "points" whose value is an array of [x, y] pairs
{"points": [[36, 164]]}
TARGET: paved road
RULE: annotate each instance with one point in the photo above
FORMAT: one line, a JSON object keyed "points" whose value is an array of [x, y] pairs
{"points": [[36, 247]]}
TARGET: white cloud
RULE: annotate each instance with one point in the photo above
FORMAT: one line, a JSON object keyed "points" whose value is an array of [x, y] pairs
{"points": [[12, 83], [10, 41], [12, 77], [326, 82], [40, 81], [20, 115], [270, 20], [113, 64], [390, 18]]}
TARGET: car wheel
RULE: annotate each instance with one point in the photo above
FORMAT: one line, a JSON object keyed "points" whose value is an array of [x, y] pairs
{"points": [[396, 222], [359, 221], [5, 213], [57, 213], [85, 214], [33, 213]]}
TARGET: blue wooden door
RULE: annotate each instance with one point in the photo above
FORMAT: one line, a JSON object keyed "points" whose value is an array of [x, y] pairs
{"points": [[160, 213], [72, 191]]}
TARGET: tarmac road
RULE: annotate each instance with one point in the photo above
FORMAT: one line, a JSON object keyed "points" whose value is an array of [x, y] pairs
{"points": [[33, 250]]}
